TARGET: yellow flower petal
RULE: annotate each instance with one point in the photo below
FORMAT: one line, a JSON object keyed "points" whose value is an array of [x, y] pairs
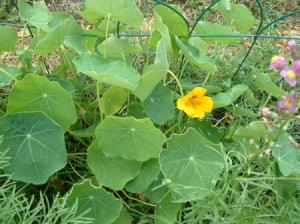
{"points": [[195, 104]]}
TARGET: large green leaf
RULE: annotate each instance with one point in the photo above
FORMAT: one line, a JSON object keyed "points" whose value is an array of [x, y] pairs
{"points": [[45, 44], [191, 165], [288, 157], [204, 27], [8, 39], [227, 98], [192, 55], [114, 47], [125, 11], [37, 15], [166, 211], [7, 74], [36, 146], [112, 100], [129, 138], [112, 172], [102, 206], [149, 172], [37, 93], [239, 16], [159, 105], [264, 83], [107, 71]]}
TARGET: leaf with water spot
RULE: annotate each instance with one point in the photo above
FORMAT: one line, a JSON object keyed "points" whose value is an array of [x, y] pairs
{"points": [[37, 93], [35, 146], [191, 165]]}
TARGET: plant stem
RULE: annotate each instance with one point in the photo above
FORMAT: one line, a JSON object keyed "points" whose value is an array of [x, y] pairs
{"points": [[99, 85]]}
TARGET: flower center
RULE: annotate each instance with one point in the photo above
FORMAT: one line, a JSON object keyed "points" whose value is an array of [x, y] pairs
{"points": [[288, 103], [275, 58], [291, 75]]}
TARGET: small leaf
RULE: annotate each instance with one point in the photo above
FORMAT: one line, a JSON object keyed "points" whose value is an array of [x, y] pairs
{"points": [[159, 105], [114, 47], [264, 82], [112, 172], [7, 73], [255, 129], [102, 206], [239, 16], [38, 15], [166, 210], [113, 100], [129, 138], [107, 71], [157, 190], [36, 146], [204, 27], [8, 39], [147, 175], [191, 166], [288, 157], [37, 93], [192, 56], [227, 98], [125, 11]]}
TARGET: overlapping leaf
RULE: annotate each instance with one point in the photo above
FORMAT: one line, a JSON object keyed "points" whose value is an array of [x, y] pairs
{"points": [[8, 39], [112, 172], [37, 93], [7, 74], [228, 97], [107, 71]]}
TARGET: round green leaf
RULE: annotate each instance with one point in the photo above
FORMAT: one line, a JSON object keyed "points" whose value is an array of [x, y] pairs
{"points": [[112, 172], [8, 39], [103, 207], [37, 93], [149, 172], [191, 165], [159, 105], [36, 146], [129, 138], [112, 100]]}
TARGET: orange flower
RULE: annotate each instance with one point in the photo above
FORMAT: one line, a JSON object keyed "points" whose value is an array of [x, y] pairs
{"points": [[195, 104]]}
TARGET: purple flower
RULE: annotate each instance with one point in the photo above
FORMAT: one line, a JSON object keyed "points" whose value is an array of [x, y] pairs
{"points": [[289, 76], [288, 103], [296, 67], [292, 45], [277, 62]]}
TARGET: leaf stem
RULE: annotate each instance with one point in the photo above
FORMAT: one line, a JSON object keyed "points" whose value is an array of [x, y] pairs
{"points": [[177, 81], [106, 35], [99, 85]]}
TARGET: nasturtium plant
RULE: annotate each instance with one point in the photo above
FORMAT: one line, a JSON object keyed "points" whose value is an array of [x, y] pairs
{"points": [[7, 74], [129, 138], [37, 93], [191, 165], [36, 146]]}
